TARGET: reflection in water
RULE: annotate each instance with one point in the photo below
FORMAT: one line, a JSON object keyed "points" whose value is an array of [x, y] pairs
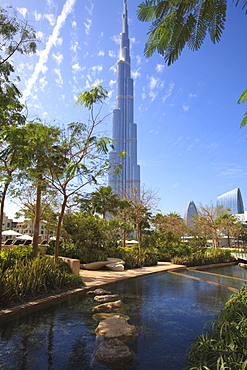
{"points": [[167, 309]]}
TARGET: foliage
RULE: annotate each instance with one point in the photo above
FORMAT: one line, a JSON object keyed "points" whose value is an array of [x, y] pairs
{"points": [[28, 278], [86, 230], [130, 255], [83, 157], [172, 222], [209, 221], [224, 346], [203, 257], [8, 257], [101, 201], [176, 24], [15, 36]]}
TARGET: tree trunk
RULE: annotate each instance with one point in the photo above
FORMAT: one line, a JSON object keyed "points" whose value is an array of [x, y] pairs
{"points": [[139, 237], [59, 225], [37, 221], [1, 211]]}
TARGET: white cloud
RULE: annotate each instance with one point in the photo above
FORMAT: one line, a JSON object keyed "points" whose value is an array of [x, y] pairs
{"points": [[43, 83], [37, 16], [51, 19], [87, 26], [58, 58], [23, 11], [110, 93], [40, 35], [185, 107], [67, 9], [160, 67], [168, 91], [112, 82], [74, 24], [116, 39], [90, 10], [58, 41], [112, 54], [74, 46], [113, 69], [97, 82], [138, 59], [153, 82], [136, 74], [76, 67], [59, 79], [101, 53], [96, 69], [192, 95]]}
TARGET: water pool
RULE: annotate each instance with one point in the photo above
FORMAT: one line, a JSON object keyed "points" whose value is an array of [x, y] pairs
{"points": [[166, 308]]}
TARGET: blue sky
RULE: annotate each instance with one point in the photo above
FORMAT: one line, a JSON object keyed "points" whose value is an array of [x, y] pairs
{"points": [[190, 146]]}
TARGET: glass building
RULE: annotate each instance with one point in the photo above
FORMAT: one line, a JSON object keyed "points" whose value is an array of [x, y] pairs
{"points": [[190, 213], [124, 128], [232, 200]]}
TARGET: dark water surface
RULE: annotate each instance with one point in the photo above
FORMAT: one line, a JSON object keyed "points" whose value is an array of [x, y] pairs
{"points": [[166, 308]]}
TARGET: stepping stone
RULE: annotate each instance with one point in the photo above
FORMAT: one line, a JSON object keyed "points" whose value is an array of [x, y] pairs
{"points": [[105, 298], [107, 307], [114, 353], [116, 327], [98, 291]]}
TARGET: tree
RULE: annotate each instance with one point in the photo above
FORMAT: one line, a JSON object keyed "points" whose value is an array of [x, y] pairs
{"points": [[172, 222], [139, 210], [228, 222], [83, 157], [48, 207], [102, 201], [208, 222], [36, 149], [15, 37], [176, 24], [8, 167]]}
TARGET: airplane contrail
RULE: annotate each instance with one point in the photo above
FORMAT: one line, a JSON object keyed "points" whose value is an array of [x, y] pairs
{"points": [[44, 54]]}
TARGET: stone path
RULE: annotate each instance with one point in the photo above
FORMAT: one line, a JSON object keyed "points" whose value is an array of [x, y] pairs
{"points": [[91, 279], [94, 279]]}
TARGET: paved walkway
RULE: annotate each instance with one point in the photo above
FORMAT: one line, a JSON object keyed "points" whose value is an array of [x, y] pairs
{"points": [[92, 280]]}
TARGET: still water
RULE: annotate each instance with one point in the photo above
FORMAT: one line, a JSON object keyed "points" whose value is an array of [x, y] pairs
{"points": [[167, 309]]}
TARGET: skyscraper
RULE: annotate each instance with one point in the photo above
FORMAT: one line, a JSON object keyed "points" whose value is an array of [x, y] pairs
{"points": [[124, 128], [190, 213], [233, 200]]}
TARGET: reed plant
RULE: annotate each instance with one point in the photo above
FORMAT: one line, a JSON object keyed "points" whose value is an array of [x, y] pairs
{"points": [[224, 345], [29, 278]]}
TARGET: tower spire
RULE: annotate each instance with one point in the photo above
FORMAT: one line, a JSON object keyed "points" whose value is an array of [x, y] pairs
{"points": [[124, 44]]}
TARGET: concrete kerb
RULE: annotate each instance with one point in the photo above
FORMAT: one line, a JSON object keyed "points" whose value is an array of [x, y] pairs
{"points": [[92, 280]]}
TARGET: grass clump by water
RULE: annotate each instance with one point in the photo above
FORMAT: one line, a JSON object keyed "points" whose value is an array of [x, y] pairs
{"points": [[26, 278], [224, 346]]}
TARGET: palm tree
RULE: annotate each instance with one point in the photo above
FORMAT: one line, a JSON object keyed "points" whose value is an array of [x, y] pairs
{"points": [[104, 200]]}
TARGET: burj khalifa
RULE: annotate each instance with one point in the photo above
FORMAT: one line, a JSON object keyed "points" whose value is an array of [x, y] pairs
{"points": [[124, 155]]}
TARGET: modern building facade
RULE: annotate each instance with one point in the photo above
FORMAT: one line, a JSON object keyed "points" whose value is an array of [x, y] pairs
{"points": [[190, 213], [124, 156], [232, 200]]}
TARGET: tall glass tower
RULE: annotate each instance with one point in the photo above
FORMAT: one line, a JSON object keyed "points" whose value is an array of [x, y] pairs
{"points": [[233, 200], [124, 155]]}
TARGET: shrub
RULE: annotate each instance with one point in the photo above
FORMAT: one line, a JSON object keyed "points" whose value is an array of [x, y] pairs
{"points": [[224, 346], [27, 278], [8, 257]]}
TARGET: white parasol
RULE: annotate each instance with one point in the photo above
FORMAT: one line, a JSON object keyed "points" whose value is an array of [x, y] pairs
{"points": [[10, 232], [25, 237]]}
